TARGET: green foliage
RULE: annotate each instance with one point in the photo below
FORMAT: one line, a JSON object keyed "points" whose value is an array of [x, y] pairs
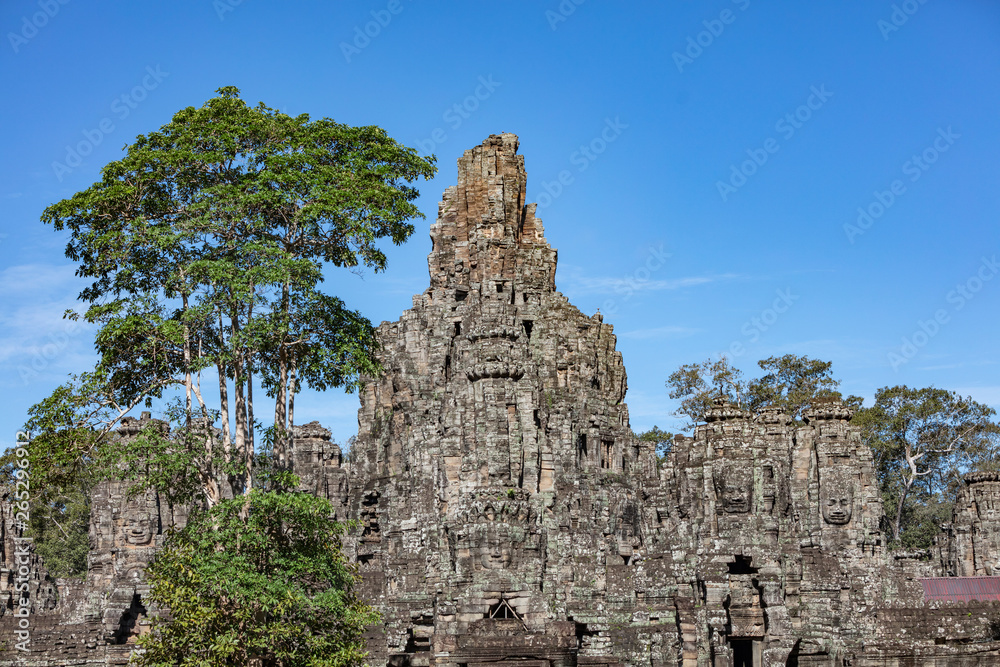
{"points": [[60, 525], [67, 428], [258, 578], [790, 382], [923, 441], [60, 516], [793, 384], [661, 441], [697, 385], [206, 246]]}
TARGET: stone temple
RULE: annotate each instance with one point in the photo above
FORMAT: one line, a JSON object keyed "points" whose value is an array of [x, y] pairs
{"points": [[509, 517]]}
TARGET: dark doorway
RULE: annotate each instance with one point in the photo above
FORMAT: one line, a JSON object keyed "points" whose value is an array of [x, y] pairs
{"points": [[741, 565], [742, 652]]}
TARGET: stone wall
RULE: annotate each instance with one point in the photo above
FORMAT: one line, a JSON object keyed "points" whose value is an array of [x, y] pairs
{"points": [[507, 513]]}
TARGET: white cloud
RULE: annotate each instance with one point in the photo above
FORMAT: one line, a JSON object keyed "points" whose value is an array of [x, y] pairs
{"points": [[572, 279], [36, 342], [31, 280]]}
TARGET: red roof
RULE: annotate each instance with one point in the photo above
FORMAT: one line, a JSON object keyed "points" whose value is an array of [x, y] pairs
{"points": [[961, 589]]}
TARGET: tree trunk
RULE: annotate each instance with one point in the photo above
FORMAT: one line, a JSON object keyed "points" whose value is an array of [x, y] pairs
{"points": [[251, 427], [240, 439], [227, 439], [281, 396], [910, 479], [291, 398], [240, 434], [187, 361]]}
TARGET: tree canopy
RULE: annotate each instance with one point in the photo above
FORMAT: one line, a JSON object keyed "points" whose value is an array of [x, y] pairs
{"points": [[206, 246], [264, 585], [923, 441], [790, 382]]}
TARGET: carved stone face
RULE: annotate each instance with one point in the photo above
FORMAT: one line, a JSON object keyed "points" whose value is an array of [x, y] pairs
{"points": [[496, 551], [837, 500], [734, 484], [496, 557], [138, 531]]}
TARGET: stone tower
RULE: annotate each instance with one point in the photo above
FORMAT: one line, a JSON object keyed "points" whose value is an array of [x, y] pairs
{"points": [[498, 467], [975, 543]]}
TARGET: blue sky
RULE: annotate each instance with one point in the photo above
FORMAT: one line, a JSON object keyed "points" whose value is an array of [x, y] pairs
{"points": [[817, 178]]}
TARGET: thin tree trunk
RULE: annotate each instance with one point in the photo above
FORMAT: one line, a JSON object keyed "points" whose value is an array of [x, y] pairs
{"points": [[251, 439], [281, 395], [291, 398], [187, 361], [224, 410], [248, 356], [910, 479], [240, 439], [897, 524], [240, 436], [227, 439]]}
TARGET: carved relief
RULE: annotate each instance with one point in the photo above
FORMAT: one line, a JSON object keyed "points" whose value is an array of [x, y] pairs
{"points": [[140, 520], [837, 498], [495, 352], [734, 486], [138, 530], [496, 551]]}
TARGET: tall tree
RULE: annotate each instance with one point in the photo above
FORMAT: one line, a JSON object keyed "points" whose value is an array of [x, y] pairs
{"points": [[206, 246], [923, 441]]}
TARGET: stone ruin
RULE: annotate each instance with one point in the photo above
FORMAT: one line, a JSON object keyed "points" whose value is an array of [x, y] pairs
{"points": [[508, 515]]}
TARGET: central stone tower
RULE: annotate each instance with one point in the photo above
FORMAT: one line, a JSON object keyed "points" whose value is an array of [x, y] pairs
{"points": [[497, 468]]}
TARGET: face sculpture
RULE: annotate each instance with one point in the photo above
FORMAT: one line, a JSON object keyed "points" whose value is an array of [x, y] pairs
{"points": [[733, 484], [497, 551], [138, 531], [837, 500]]}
